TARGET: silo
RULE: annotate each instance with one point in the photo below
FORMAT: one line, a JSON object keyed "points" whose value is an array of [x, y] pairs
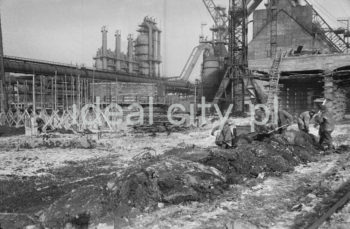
{"points": [[141, 52], [147, 47]]}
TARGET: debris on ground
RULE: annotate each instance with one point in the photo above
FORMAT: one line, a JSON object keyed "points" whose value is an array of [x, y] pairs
{"points": [[188, 174], [6, 131], [265, 183]]}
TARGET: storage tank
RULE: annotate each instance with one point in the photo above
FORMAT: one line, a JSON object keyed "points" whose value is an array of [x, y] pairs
{"points": [[141, 52]]}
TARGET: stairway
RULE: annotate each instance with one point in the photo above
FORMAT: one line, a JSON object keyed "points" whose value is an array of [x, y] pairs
{"points": [[322, 28]]}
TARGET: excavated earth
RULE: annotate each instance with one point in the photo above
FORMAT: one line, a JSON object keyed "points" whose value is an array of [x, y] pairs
{"points": [[176, 180]]}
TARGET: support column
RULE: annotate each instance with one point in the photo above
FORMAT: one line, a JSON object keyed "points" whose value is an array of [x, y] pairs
{"points": [[55, 90], [73, 89], [52, 93], [66, 92], [18, 99], [79, 95], [3, 94], [41, 92], [33, 91], [329, 90]]}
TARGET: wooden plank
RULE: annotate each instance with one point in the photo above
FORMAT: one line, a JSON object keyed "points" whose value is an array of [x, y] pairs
{"points": [[335, 207]]}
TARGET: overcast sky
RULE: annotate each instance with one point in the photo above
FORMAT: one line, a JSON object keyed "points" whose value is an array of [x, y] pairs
{"points": [[68, 31]]}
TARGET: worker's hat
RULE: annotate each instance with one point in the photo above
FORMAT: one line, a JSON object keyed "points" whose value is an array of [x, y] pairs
{"points": [[230, 121]]}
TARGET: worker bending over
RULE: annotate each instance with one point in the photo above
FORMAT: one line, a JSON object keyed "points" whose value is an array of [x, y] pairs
{"points": [[325, 119], [225, 138], [304, 120], [284, 120]]}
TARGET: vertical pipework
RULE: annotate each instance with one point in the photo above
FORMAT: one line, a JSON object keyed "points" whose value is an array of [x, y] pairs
{"points": [[155, 51], [159, 45], [104, 47], [117, 49], [159, 51], [3, 94], [130, 52], [150, 48], [155, 44]]}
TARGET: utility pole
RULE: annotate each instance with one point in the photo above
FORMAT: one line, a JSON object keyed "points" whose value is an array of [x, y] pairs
{"points": [[3, 95]]}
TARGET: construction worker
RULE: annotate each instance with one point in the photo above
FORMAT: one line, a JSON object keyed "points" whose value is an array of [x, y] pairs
{"points": [[304, 120], [227, 135], [326, 122], [284, 120]]}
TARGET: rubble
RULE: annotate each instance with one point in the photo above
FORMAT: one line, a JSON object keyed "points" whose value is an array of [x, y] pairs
{"points": [[193, 174], [183, 175]]}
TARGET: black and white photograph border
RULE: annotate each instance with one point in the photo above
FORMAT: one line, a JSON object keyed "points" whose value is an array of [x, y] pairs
{"points": [[202, 114]]}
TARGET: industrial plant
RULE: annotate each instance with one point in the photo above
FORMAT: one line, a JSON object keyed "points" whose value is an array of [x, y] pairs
{"points": [[260, 139], [143, 56]]}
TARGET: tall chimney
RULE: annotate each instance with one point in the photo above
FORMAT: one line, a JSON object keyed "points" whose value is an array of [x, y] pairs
{"points": [[117, 49], [155, 44], [159, 46], [104, 47], [150, 48], [130, 52]]}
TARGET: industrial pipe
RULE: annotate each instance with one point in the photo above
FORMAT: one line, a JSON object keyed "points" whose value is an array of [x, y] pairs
{"points": [[117, 49], [27, 66], [150, 50], [104, 47]]}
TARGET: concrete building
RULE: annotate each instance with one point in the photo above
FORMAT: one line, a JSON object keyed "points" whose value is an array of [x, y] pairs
{"points": [[295, 28], [316, 63]]}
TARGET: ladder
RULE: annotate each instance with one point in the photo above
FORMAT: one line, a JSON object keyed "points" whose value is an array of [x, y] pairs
{"points": [[274, 79], [223, 85]]}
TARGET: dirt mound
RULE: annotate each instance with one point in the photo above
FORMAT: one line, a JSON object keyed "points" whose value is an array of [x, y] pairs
{"points": [[6, 131], [189, 174], [81, 207], [168, 180], [14, 220], [181, 175], [76, 143], [272, 156], [303, 139]]}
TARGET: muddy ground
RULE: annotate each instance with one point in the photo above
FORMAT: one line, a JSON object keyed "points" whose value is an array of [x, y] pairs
{"points": [[72, 180]]}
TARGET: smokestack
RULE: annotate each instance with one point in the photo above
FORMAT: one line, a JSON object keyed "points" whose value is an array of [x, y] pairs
{"points": [[104, 40], [159, 45], [130, 52], [155, 44], [117, 49], [104, 47]]}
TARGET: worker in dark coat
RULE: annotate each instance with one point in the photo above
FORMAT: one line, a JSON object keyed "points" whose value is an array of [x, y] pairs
{"points": [[259, 116], [327, 124], [304, 120], [227, 135], [284, 120]]}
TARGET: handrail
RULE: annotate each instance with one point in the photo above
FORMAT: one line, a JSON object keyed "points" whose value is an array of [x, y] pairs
{"points": [[334, 39]]}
